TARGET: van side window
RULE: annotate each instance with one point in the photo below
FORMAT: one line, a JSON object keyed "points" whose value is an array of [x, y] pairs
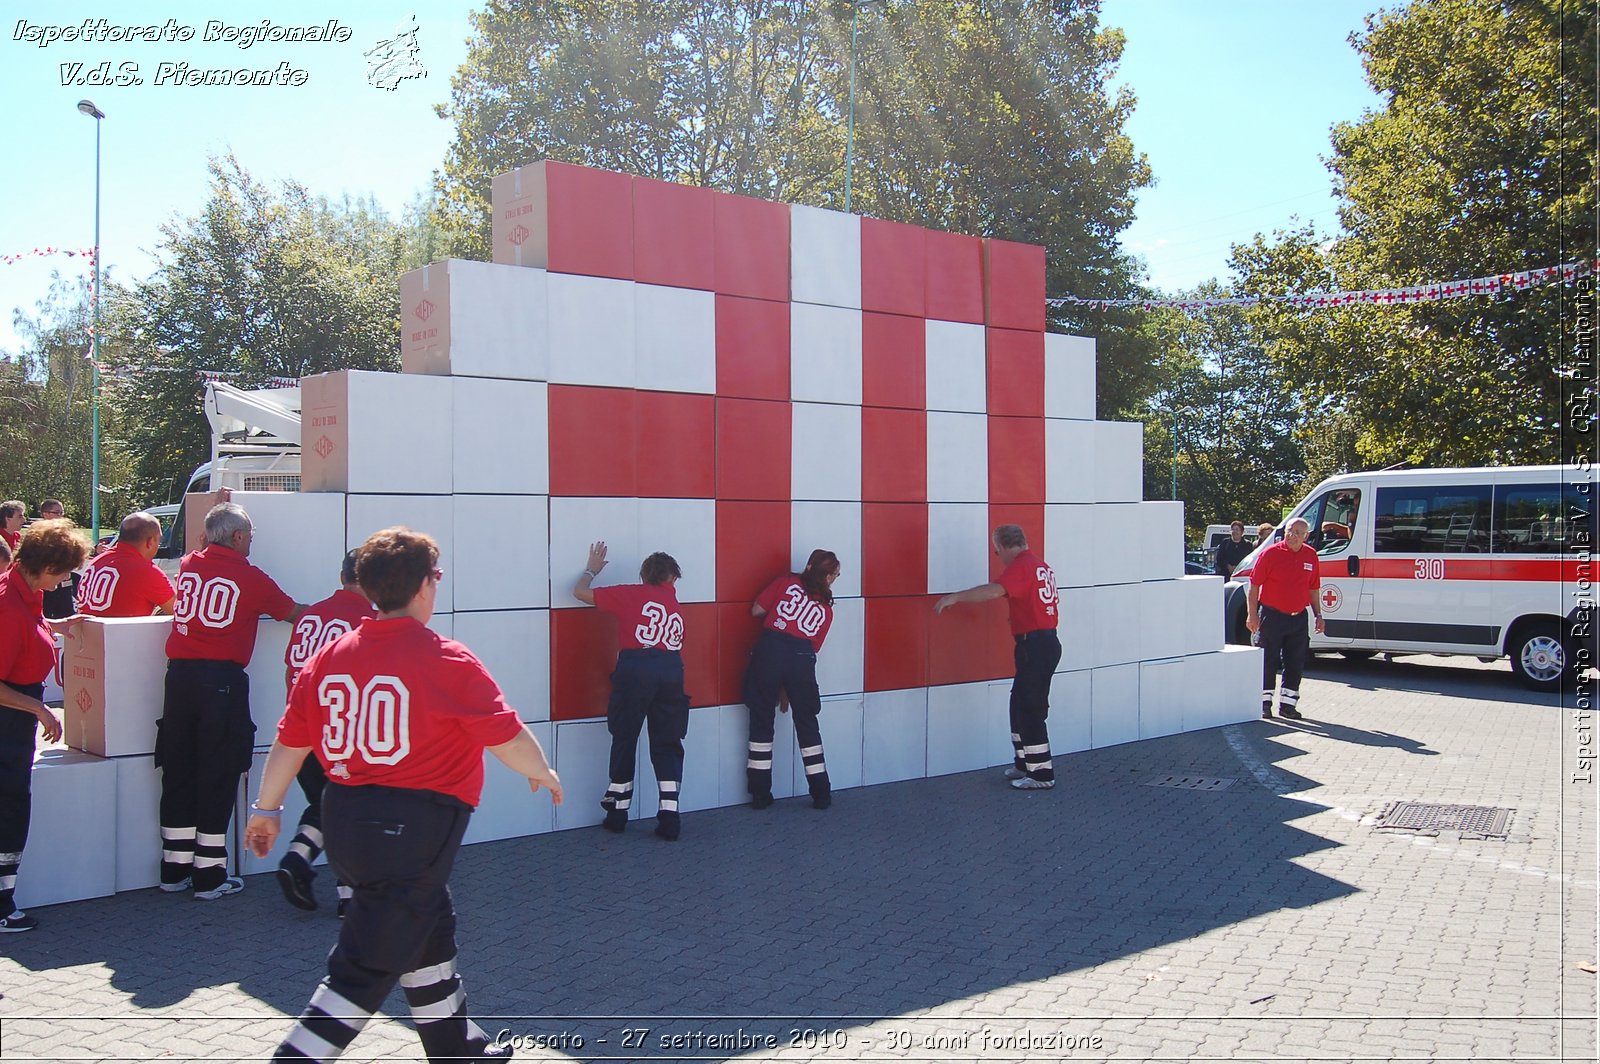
{"points": [[1333, 520], [1528, 519], [1432, 520]]}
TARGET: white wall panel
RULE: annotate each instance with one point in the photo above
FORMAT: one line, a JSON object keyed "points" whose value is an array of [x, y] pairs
{"points": [[1117, 540], [825, 461], [1161, 697], [299, 539], [834, 526], [1070, 718], [1078, 628], [675, 348], [701, 785], [734, 739], [1069, 461], [894, 735], [1069, 540], [685, 529], [501, 554], [269, 694], [958, 728], [1069, 376], [592, 331], [824, 257], [998, 747], [841, 667], [1114, 705], [514, 645], [957, 368], [1202, 614], [840, 723], [957, 534], [1117, 618], [502, 437], [433, 514], [1161, 540], [582, 756], [824, 354], [137, 822], [576, 523], [72, 845], [958, 457], [494, 320], [1162, 617], [508, 809], [1118, 461]]}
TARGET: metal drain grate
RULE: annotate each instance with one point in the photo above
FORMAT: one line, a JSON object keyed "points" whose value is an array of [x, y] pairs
{"points": [[1426, 819], [1189, 783]]}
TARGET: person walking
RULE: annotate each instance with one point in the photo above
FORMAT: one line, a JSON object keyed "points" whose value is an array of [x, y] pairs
{"points": [[647, 684], [400, 718], [1029, 588], [796, 611], [1283, 583]]}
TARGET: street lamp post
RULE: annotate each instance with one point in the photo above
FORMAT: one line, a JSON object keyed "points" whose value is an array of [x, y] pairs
{"points": [[88, 108], [850, 124]]}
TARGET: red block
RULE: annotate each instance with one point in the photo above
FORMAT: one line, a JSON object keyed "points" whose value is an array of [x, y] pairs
{"points": [[752, 348], [1016, 372], [969, 643], [752, 547], [955, 278], [752, 242], [893, 267], [894, 455], [566, 218], [897, 642], [894, 361], [1016, 459], [894, 548], [700, 653], [673, 229], [583, 651], [754, 441], [592, 441], [736, 633], [1030, 518], [676, 438], [1014, 285]]}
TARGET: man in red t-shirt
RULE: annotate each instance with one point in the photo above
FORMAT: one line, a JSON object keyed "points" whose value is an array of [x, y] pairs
{"points": [[205, 735], [1283, 583], [125, 581], [1029, 587], [13, 515], [646, 685], [400, 718], [323, 622]]}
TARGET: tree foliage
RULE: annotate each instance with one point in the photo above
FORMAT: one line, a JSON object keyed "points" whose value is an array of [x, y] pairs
{"points": [[1480, 162]]}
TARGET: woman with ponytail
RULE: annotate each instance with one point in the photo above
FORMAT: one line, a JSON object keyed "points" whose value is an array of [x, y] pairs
{"points": [[797, 609]]}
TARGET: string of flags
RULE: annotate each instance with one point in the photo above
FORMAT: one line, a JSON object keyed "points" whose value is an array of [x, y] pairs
{"points": [[1498, 284], [11, 257]]}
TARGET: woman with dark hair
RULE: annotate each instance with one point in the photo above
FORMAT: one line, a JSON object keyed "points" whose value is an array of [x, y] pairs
{"points": [[797, 609], [49, 552], [646, 685]]}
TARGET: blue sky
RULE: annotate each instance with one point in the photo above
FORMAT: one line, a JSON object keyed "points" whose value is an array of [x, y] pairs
{"points": [[1235, 101]]}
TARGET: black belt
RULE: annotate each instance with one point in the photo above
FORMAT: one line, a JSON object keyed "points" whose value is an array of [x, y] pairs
{"points": [[1273, 609]]}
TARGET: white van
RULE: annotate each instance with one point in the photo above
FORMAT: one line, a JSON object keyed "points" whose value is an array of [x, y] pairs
{"points": [[1491, 562]]}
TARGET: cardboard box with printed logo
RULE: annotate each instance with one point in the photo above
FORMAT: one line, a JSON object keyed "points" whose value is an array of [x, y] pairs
{"points": [[115, 674]]}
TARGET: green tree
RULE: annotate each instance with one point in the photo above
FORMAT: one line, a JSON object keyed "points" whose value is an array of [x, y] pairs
{"points": [[1480, 162]]}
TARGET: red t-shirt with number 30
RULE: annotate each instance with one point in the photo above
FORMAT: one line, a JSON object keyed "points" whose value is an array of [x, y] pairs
{"points": [[1030, 594], [793, 612], [647, 615], [322, 623], [221, 598]]}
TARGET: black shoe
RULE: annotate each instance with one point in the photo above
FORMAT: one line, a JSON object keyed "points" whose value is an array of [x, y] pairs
{"points": [[295, 879], [822, 799], [1266, 712], [760, 801], [668, 826], [17, 921], [616, 821], [344, 903], [1289, 712]]}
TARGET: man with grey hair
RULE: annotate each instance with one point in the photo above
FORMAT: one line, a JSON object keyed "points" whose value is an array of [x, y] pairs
{"points": [[1029, 588], [1283, 583], [205, 737]]}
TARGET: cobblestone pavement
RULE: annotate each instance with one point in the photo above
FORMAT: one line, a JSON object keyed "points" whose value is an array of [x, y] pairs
{"points": [[957, 919]]}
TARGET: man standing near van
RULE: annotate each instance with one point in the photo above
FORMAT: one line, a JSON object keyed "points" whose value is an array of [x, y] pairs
{"points": [[1283, 583], [1232, 551]]}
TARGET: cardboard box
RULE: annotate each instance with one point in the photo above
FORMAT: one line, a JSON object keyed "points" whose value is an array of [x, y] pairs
{"points": [[825, 460], [564, 218], [894, 735], [1161, 697], [958, 728], [957, 367], [376, 432], [1114, 705], [824, 354], [958, 457], [501, 437], [475, 319], [115, 681]]}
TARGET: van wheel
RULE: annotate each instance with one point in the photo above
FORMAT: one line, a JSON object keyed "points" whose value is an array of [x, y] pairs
{"points": [[1539, 657], [1359, 655]]}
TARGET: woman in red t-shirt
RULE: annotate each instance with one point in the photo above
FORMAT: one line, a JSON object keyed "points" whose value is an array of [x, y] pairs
{"points": [[49, 552], [796, 611], [646, 685]]}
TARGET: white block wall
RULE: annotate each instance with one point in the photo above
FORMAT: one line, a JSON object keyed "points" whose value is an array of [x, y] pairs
{"points": [[72, 841], [957, 373], [592, 331], [502, 437], [1069, 376], [1161, 540], [825, 257], [1114, 705], [508, 809], [1071, 699], [1163, 617], [676, 343], [824, 354], [499, 552], [955, 561], [574, 524], [958, 458], [514, 645], [825, 460], [841, 667], [894, 735], [834, 526], [958, 728], [433, 514], [497, 318], [1161, 697]]}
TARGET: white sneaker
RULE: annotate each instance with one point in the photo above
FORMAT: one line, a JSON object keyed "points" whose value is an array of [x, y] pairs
{"points": [[1015, 773], [1027, 783], [173, 888], [231, 885]]}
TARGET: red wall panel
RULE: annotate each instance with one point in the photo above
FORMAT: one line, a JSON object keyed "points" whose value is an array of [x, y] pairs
{"points": [[592, 441], [1016, 459], [752, 547], [675, 445], [970, 642], [752, 348], [894, 361], [954, 289], [752, 247], [736, 633], [673, 227], [894, 455], [591, 221], [893, 267], [897, 642], [1014, 285], [700, 653], [1015, 361], [754, 442], [583, 651], [894, 549]]}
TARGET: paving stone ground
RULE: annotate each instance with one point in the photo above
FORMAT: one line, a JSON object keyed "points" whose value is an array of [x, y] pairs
{"points": [[955, 919]]}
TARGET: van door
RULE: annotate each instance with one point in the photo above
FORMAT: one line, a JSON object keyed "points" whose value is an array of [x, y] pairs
{"points": [[1430, 572], [1340, 525]]}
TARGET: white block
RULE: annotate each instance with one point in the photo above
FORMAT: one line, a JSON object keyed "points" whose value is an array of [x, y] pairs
{"points": [[1069, 461], [1161, 540], [958, 457], [500, 552], [824, 257], [55, 683], [958, 728], [701, 786], [1113, 705], [1070, 717], [269, 694], [1242, 678], [475, 319], [443, 624], [1077, 629], [582, 760], [1069, 363], [377, 433], [824, 354], [834, 526], [115, 682], [72, 844], [840, 723], [958, 533], [514, 645], [502, 437], [1118, 461], [957, 368], [299, 539], [998, 748], [734, 740], [1117, 618], [675, 349], [1069, 535], [687, 530], [294, 804], [138, 823], [576, 523], [592, 331], [1117, 538], [894, 735], [508, 809], [825, 463], [841, 667], [433, 514], [1161, 697], [1206, 696], [1163, 619], [1202, 614]]}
